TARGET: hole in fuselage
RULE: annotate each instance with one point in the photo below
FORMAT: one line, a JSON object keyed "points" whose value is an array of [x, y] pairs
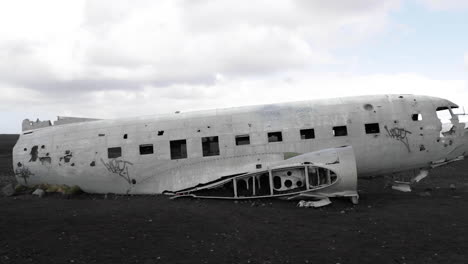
{"points": [[277, 182]]}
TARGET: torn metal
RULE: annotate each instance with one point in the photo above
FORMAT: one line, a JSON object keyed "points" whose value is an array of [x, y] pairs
{"points": [[315, 204], [326, 173]]}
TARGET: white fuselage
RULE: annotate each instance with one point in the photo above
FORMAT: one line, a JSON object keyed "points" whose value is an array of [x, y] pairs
{"points": [[78, 153]]}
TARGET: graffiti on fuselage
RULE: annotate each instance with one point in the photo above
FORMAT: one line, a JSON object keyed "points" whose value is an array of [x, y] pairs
{"points": [[399, 134], [23, 172], [119, 167]]}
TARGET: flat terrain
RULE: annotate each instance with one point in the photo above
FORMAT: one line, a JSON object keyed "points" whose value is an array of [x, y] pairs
{"points": [[428, 225]]}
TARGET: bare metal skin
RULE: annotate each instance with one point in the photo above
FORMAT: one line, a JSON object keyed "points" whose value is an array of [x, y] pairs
{"points": [[403, 133]]}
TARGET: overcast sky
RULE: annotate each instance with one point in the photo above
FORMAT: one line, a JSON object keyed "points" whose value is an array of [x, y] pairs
{"points": [[109, 59]]}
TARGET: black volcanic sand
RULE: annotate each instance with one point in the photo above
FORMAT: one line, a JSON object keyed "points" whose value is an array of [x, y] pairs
{"points": [[428, 225], [6, 168]]}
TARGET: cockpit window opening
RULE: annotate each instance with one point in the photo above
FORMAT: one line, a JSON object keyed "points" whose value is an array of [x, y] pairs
{"points": [[444, 114], [448, 120]]}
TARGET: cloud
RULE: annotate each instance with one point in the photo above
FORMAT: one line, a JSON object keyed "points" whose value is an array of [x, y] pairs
{"points": [[122, 58], [444, 5], [122, 45], [227, 92]]}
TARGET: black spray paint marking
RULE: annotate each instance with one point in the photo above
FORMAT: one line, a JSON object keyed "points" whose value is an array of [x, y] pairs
{"points": [[23, 172], [399, 134], [119, 167], [34, 153]]}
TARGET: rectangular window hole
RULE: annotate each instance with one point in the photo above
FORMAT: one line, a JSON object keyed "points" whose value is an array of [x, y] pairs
{"points": [[178, 149], [113, 153], [340, 131], [372, 128], [242, 140], [146, 149], [416, 117], [275, 137], [307, 133], [210, 146]]}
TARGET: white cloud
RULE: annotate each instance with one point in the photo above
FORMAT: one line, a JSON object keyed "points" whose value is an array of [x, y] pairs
{"points": [[228, 92], [55, 45], [120, 58]]}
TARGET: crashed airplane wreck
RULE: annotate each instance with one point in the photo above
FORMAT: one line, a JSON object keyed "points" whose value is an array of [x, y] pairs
{"points": [[309, 149]]}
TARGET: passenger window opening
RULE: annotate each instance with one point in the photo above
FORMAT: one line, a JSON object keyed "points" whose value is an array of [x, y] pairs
{"points": [[416, 117], [340, 131], [275, 137], [307, 133], [125, 136], [178, 149], [242, 140], [146, 149], [115, 152], [210, 146], [160, 132], [372, 128]]}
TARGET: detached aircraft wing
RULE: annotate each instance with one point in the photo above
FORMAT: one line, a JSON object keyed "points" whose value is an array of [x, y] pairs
{"points": [[321, 174]]}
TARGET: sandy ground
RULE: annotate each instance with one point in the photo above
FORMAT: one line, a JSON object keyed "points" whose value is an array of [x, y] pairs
{"points": [[428, 225]]}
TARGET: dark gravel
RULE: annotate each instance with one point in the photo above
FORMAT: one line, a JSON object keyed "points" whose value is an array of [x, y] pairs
{"points": [[6, 169], [428, 225]]}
